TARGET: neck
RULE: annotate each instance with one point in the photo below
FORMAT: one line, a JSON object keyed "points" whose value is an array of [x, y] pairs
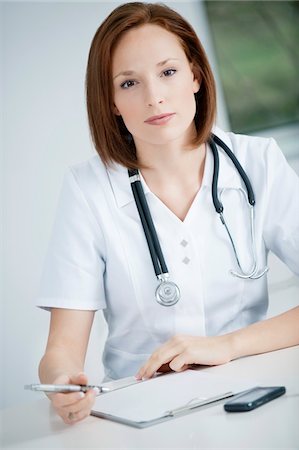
{"points": [[175, 160], [173, 163], [176, 177]]}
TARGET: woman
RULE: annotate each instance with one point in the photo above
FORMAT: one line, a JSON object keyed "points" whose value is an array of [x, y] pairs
{"points": [[151, 107]]}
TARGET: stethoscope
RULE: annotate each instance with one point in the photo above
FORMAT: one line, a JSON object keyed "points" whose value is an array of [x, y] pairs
{"points": [[167, 292]]}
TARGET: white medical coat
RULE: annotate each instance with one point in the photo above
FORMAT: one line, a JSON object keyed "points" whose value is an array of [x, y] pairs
{"points": [[98, 257]]}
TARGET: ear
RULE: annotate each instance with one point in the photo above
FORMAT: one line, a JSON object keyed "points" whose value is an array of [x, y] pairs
{"points": [[116, 111], [196, 85], [196, 82]]}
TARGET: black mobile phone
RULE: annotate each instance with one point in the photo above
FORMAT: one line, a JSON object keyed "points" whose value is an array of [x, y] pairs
{"points": [[253, 398]]}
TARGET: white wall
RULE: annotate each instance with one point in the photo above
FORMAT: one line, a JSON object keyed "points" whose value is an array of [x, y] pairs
{"points": [[45, 129]]}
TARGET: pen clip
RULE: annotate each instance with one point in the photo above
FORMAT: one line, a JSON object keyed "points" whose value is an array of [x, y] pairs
{"points": [[195, 404]]}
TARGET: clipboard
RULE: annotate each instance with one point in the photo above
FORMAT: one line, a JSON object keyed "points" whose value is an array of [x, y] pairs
{"points": [[165, 397]]}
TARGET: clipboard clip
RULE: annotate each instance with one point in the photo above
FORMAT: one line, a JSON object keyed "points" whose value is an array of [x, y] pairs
{"points": [[196, 402]]}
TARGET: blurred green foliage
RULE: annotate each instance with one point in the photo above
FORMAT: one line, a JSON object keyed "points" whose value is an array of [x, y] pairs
{"points": [[257, 49]]}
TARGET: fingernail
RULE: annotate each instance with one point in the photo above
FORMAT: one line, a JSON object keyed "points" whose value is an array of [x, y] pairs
{"points": [[96, 390], [81, 394], [138, 377]]}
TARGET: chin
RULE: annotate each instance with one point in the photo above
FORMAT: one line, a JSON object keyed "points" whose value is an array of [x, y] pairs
{"points": [[165, 136]]}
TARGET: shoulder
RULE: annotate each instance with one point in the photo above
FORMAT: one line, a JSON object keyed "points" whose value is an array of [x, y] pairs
{"points": [[253, 152], [85, 171], [243, 144], [90, 177], [103, 187], [263, 162], [83, 183]]}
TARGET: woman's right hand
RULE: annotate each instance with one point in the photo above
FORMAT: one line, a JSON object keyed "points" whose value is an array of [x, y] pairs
{"points": [[74, 406]]}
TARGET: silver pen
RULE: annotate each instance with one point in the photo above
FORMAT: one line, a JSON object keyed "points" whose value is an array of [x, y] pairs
{"points": [[64, 388]]}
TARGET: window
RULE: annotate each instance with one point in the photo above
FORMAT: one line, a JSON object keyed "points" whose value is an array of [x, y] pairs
{"points": [[257, 50]]}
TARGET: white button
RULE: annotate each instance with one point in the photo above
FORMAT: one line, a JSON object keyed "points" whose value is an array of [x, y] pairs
{"points": [[186, 260], [184, 243]]}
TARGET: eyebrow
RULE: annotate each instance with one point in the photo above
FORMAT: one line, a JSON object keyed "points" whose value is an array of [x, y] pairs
{"points": [[131, 72]]}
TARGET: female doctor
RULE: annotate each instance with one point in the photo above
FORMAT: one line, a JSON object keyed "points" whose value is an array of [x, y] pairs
{"points": [[174, 251]]}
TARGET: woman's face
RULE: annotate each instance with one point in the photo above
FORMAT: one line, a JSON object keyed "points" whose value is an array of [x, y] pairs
{"points": [[158, 79]]}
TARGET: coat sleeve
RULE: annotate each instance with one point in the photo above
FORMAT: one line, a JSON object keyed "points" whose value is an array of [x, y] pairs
{"points": [[281, 231], [74, 265]]}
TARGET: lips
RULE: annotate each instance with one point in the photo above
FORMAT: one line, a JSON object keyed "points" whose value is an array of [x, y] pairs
{"points": [[158, 118]]}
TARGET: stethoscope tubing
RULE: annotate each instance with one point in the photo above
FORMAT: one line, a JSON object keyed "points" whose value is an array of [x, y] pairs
{"points": [[150, 232], [250, 194], [253, 272]]}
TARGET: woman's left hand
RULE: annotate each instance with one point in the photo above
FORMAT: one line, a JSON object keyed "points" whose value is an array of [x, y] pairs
{"points": [[181, 351]]}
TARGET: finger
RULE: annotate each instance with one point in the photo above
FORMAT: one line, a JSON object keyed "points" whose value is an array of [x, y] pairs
{"points": [[79, 410], [79, 378], [64, 400], [74, 417], [180, 362], [85, 400], [162, 356], [62, 379]]}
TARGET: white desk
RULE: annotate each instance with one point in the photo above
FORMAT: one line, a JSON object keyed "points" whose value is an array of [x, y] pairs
{"points": [[274, 425]]}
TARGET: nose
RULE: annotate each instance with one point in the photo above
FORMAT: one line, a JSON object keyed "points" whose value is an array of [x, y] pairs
{"points": [[153, 94]]}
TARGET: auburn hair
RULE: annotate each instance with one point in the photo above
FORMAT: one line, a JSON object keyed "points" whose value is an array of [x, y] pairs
{"points": [[111, 138]]}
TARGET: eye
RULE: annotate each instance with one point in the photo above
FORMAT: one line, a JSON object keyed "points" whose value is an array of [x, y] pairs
{"points": [[169, 72], [127, 84]]}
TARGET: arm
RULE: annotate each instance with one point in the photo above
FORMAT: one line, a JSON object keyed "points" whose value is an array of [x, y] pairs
{"points": [[272, 334], [67, 343], [63, 361], [179, 352]]}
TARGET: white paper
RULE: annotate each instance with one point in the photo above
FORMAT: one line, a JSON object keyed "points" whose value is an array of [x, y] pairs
{"points": [[153, 398]]}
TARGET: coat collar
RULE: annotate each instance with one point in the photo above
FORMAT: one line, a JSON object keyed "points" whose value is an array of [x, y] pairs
{"points": [[228, 175], [121, 186]]}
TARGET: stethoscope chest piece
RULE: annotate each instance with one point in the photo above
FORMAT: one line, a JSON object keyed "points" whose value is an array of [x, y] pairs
{"points": [[167, 293]]}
